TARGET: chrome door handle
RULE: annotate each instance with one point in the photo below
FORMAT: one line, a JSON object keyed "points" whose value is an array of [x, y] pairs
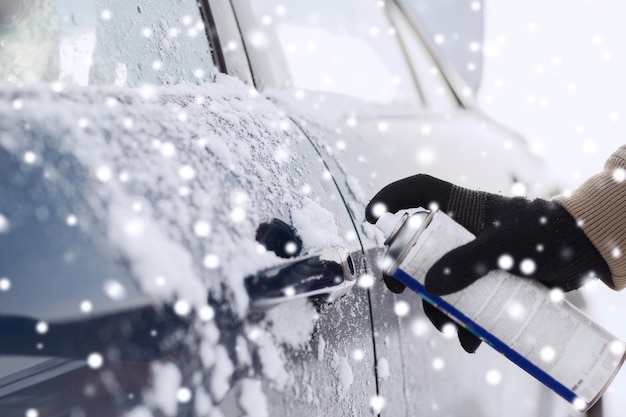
{"points": [[327, 275]]}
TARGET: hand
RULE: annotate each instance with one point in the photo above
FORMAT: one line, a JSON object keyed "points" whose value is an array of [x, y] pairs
{"points": [[537, 239]]}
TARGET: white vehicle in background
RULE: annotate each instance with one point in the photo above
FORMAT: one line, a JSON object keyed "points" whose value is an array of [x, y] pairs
{"points": [[151, 203]]}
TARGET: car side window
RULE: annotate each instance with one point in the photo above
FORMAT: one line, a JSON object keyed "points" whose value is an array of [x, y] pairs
{"points": [[340, 46], [436, 91], [104, 42]]}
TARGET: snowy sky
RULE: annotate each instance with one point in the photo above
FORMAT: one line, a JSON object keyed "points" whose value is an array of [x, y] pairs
{"points": [[552, 74]]}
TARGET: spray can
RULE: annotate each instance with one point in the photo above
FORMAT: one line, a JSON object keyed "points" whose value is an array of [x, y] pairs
{"points": [[533, 326]]}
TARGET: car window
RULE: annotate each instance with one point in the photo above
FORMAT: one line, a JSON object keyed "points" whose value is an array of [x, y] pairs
{"points": [[340, 46], [456, 29], [436, 91], [122, 43]]}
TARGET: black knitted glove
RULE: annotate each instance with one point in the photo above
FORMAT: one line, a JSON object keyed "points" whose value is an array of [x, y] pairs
{"points": [[537, 239]]}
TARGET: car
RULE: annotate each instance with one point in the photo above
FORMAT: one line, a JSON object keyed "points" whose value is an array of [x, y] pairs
{"points": [[182, 225]]}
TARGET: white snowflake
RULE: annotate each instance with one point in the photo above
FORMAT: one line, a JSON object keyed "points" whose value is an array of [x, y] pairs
{"points": [[4, 224], [402, 308], [493, 377], [377, 403], [104, 173], [211, 261], [438, 364], [114, 290], [183, 395], [366, 281], [201, 228], [5, 284], [206, 313], [41, 327], [182, 308], [86, 306], [505, 262], [547, 354], [95, 360], [30, 157], [528, 266]]}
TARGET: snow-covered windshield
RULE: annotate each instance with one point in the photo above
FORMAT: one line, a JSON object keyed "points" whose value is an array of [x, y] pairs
{"points": [[103, 42], [341, 46]]}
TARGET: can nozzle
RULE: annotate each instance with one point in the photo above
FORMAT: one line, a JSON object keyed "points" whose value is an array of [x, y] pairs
{"points": [[387, 223]]}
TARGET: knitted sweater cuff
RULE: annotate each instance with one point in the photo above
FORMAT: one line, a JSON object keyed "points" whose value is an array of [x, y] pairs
{"points": [[599, 206]]}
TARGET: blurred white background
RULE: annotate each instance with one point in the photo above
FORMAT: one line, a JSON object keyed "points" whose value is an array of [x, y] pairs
{"points": [[554, 72]]}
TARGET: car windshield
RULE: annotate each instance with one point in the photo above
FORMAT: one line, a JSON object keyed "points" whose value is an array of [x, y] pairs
{"points": [[341, 46], [103, 42]]}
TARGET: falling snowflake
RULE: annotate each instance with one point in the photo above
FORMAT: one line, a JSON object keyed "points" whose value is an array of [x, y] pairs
{"points": [[168, 149], [619, 175], [438, 364], [41, 327], [379, 209], [104, 173], [114, 290], [257, 39], [617, 347], [402, 308], [377, 403], [420, 327], [505, 262], [528, 266], [86, 306], [449, 330], [95, 360], [71, 220], [31, 412], [493, 377], [291, 248], [557, 295], [579, 404], [186, 173], [281, 155], [105, 15], [366, 281], [358, 354], [5, 284], [518, 189], [4, 224], [134, 227], [201, 228], [238, 214], [516, 310], [30, 157], [183, 395], [426, 156], [547, 354], [206, 313], [182, 308], [211, 261]]}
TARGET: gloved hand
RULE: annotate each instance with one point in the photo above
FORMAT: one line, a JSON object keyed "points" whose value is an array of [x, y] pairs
{"points": [[537, 239]]}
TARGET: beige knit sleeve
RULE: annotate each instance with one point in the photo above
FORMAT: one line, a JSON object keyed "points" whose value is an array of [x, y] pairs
{"points": [[599, 205]]}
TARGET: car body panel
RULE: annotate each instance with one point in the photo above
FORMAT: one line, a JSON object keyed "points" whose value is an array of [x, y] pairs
{"points": [[136, 202]]}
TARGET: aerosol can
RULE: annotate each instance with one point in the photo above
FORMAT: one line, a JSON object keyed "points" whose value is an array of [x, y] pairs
{"points": [[533, 326]]}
